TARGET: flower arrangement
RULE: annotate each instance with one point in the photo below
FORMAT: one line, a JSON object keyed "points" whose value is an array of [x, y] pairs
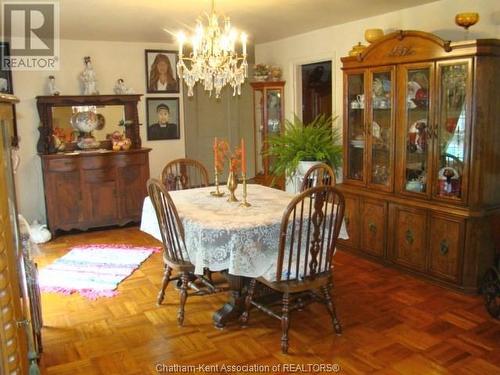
{"points": [[119, 141], [235, 160], [260, 72], [221, 148], [223, 152], [64, 135], [261, 69]]}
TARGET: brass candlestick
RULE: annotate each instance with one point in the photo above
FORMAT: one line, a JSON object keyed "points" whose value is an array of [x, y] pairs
{"points": [[217, 192], [244, 203]]}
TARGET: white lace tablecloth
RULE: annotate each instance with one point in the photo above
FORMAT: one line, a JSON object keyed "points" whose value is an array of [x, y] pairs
{"points": [[222, 235]]}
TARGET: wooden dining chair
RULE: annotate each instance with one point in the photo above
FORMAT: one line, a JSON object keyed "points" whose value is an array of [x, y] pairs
{"points": [[309, 230], [180, 174], [317, 175], [175, 255]]}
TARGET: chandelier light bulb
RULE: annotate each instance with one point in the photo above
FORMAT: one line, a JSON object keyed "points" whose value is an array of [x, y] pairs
{"points": [[214, 60]]}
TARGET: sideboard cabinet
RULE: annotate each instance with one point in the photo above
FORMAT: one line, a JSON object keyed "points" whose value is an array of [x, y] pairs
{"points": [[92, 188], [421, 164], [88, 190]]}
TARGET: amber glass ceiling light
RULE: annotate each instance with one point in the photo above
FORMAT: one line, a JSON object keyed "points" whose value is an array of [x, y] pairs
{"points": [[213, 59]]}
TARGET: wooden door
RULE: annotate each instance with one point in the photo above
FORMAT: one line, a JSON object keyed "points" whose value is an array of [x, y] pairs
{"points": [[409, 242], [351, 220], [132, 190], [446, 235], [64, 199], [100, 193], [373, 218]]}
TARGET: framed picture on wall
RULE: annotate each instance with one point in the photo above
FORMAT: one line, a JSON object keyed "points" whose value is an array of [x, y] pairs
{"points": [[162, 118], [5, 73], [161, 71]]}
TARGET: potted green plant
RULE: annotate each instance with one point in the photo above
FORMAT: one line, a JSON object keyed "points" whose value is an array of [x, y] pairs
{"points": [[314, 142]]}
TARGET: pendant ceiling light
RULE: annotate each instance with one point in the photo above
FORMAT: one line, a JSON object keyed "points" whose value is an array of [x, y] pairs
{"points": [[213, 59]]}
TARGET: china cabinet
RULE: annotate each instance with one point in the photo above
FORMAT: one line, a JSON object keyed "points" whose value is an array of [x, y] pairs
{"points": [[14, 319], [92, 188], [421, 140], [268, 101]]}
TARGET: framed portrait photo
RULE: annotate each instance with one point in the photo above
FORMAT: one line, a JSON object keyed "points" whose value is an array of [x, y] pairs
{"points": [[161, 71], [5, 73], [162, 118]]}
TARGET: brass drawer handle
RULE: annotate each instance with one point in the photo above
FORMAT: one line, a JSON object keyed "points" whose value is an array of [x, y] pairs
{"points": [[372, 227], [444, 248], [409, 236]]}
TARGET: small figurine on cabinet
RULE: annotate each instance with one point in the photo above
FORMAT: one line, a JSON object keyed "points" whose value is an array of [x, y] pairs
{"points": [[88, 78], [52, 86], [449, 182], [121, 89], [421, 139]]}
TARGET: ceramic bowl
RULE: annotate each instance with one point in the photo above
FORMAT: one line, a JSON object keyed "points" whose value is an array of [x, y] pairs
{"points": [[372, 35], [466, 19]]}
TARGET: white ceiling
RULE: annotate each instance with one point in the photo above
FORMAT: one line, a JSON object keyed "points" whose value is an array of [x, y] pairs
{"points": [[262, 20]]}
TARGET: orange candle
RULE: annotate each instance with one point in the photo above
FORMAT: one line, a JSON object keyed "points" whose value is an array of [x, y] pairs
{"points": [[243, 158], [215, 153]]}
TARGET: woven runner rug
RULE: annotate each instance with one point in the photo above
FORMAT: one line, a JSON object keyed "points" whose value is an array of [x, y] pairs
{"points": [[93, 270]]}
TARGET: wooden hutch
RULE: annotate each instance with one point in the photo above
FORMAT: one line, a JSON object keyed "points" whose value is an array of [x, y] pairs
{"points": [[86, 189], [421, 163], [269, 109]]}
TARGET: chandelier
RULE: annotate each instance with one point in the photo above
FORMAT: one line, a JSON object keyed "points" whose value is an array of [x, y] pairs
{"points": [[213, 59]]}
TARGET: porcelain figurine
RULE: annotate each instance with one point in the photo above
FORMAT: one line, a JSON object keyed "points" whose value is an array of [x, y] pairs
{"points": [[88, 78], [121, 89], [53, 90]]}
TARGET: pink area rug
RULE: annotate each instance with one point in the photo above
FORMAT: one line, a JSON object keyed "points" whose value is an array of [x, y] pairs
{"points": [[93, 270]]}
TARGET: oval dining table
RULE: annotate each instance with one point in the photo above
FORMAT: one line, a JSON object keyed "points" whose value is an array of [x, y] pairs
{"points": [[222, 235]]}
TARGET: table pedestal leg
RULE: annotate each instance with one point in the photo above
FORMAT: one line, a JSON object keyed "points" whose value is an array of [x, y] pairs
{"points": [[232, 309]]}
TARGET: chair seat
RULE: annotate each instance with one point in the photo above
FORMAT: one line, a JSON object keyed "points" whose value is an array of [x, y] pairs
{"points": [[295, 286]]}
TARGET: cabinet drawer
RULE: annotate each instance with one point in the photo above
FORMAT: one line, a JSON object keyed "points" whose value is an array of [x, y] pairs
{"points": [[410, 236], [99, 175], [123, 160], [97, 162], [446, 244], [373, 216], [62, 165], [351, 220]]}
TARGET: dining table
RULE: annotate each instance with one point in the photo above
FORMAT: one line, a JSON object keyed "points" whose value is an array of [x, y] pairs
{"points": [[228, 236]]}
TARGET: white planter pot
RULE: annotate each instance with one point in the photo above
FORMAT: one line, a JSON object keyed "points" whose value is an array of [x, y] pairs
{"points": [[304, 166]]}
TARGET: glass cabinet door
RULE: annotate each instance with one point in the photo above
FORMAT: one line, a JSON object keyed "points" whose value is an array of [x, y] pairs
{"points": [[416, 82], [452, 130], [274, 119], [258, 98], [355, 128], [381, 130], [268, 99]]}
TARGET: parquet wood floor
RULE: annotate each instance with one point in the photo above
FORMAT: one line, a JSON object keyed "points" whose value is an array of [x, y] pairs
{"points": [[392, 324]]}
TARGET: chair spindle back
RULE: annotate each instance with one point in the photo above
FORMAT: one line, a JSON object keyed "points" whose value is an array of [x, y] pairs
{"points": [[317, 175], [171, 228], [309, 230], [180, 174]]}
